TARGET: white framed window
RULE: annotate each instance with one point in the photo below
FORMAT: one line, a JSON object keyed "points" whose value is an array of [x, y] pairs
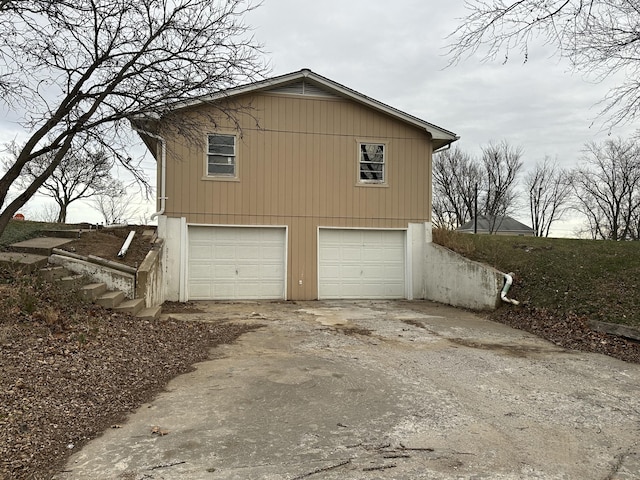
{"points": [[372, 163], [221, 155]]}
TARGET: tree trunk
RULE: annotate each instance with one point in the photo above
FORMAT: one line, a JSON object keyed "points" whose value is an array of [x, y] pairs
{"points": [[9, 210], [62, 216], [5, 216]]}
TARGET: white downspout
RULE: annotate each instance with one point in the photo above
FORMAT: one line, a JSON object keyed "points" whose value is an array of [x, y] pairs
{"points": [[508, 281], [163, 169]]}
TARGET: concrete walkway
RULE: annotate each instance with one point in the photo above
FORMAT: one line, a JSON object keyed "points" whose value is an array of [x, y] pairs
{"points": [[33, 253], [379, 390]]}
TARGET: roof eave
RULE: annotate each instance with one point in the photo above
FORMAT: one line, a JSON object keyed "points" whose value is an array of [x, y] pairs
{"points": [[440, 136]]}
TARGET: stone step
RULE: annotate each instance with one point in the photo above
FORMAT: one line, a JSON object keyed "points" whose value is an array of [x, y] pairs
{"points": [[131, 307], [93, 290], [150, 313], [72, 281], [110, 299], [23, 261], [62, 233], [51, 273], [39, 246]]}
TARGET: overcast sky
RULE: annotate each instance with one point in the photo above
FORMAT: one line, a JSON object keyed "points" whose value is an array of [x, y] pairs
{"points": [[395, 52]]}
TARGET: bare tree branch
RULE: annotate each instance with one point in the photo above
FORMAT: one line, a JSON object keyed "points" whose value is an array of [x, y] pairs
{"points": [[549, 190], [607, 189], [79, 70], [456, 175], [501, 163], [598, 37]]}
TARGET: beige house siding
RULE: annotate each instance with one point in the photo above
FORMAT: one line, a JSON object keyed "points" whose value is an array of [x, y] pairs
{"points": [[299, 168]]}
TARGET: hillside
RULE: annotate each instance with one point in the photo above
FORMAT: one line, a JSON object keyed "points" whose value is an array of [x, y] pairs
{"points": [[563, 285], [595, 278]]}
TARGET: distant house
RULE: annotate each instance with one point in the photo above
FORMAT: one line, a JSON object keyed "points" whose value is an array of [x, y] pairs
{"points": [[497, 225]]}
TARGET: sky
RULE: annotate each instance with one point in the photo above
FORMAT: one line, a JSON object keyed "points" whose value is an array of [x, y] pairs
{"points": [[395, 52]]}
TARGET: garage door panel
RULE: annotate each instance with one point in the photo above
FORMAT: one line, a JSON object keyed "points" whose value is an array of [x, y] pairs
{"points": [[361, 264], [200, 289], [200, 271], [236, 263], [201, 252]]}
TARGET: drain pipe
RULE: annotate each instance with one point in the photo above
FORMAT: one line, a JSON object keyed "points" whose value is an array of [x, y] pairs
{"points": [[127, 244], [508, 281], [163, 168]]}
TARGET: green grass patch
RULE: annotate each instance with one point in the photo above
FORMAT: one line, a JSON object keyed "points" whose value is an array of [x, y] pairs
{"points": [[596, 278], [18, 231]]}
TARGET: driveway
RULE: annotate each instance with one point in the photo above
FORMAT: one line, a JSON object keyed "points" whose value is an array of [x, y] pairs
{"points": [[379, 390]]}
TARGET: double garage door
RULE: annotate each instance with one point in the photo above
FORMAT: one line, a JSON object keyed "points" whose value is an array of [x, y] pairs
{"points": [[247, 263]]}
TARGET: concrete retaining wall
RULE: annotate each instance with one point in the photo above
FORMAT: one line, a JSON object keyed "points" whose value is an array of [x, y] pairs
{"points": [[149, 278], [114, 279], [455, 280]]}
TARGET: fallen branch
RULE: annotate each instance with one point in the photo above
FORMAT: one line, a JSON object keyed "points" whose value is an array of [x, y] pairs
{"points": [[381, 467], [167, 465], [323, 469]]}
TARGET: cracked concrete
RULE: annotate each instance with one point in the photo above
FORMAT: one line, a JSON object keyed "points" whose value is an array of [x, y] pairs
{"points": [[363, 390]]}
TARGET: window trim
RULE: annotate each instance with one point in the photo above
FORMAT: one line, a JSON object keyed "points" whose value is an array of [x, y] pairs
{"points": [[221, 176], [385, 163]]}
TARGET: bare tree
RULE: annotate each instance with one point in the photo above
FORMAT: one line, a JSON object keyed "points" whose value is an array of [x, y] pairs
{"points": [[598, 37], [81, 174], [549, 189], [78, 70], [459, 178], [607, 188], [115, 204], [48, 212], [501, 164], [455, 177]]}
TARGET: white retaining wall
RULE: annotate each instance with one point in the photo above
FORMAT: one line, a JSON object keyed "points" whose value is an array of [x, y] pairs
{"points": [[114, 279]]}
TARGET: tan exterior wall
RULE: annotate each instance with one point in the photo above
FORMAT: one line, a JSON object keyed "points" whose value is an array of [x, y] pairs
{"points": [[300, 168]]}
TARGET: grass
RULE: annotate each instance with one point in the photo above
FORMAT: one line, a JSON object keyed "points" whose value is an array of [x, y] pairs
{"points": [[595, 278], [18, 231]]}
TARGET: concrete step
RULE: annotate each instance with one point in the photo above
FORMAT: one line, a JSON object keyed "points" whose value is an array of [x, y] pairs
{"points": [[62, 233], [23, 261], [72, 281], [92, 291], [39, 246], [110, 299], [130, 306], [51, 273], [150, 313]]}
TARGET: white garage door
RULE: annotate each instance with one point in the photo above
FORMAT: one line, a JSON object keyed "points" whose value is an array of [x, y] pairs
{"points": [[361, 264], [236, 263]]}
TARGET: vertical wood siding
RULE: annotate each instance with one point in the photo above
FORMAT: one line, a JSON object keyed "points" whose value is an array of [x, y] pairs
{"points": [[300, 168]]}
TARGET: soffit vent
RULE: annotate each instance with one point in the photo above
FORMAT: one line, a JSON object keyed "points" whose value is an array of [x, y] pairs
{"points": [[303, 87]]}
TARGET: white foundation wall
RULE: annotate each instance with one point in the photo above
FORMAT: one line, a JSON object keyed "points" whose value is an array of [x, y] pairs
{"points": [[173, 231], [455, 280], [418, 235]]}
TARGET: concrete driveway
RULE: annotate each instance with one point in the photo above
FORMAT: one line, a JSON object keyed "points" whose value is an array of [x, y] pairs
{"points": [[379, 390]]}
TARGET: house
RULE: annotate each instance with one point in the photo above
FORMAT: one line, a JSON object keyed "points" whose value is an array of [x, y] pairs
{"points": [[310, 190], [498, 225]]}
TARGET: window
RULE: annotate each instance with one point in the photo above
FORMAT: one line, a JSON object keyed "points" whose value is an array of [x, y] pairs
{"points": [[221, 155], [372, 163]]}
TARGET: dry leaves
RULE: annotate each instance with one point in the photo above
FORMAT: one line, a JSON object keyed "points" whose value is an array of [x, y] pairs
{"points": [[64, 382]]}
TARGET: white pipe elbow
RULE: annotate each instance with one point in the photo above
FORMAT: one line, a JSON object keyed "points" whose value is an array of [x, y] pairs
{"points": [[508, 281]]}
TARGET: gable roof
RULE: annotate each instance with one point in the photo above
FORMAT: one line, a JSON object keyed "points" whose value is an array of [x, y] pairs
{"points": [[505, 224], [306, 82]]}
